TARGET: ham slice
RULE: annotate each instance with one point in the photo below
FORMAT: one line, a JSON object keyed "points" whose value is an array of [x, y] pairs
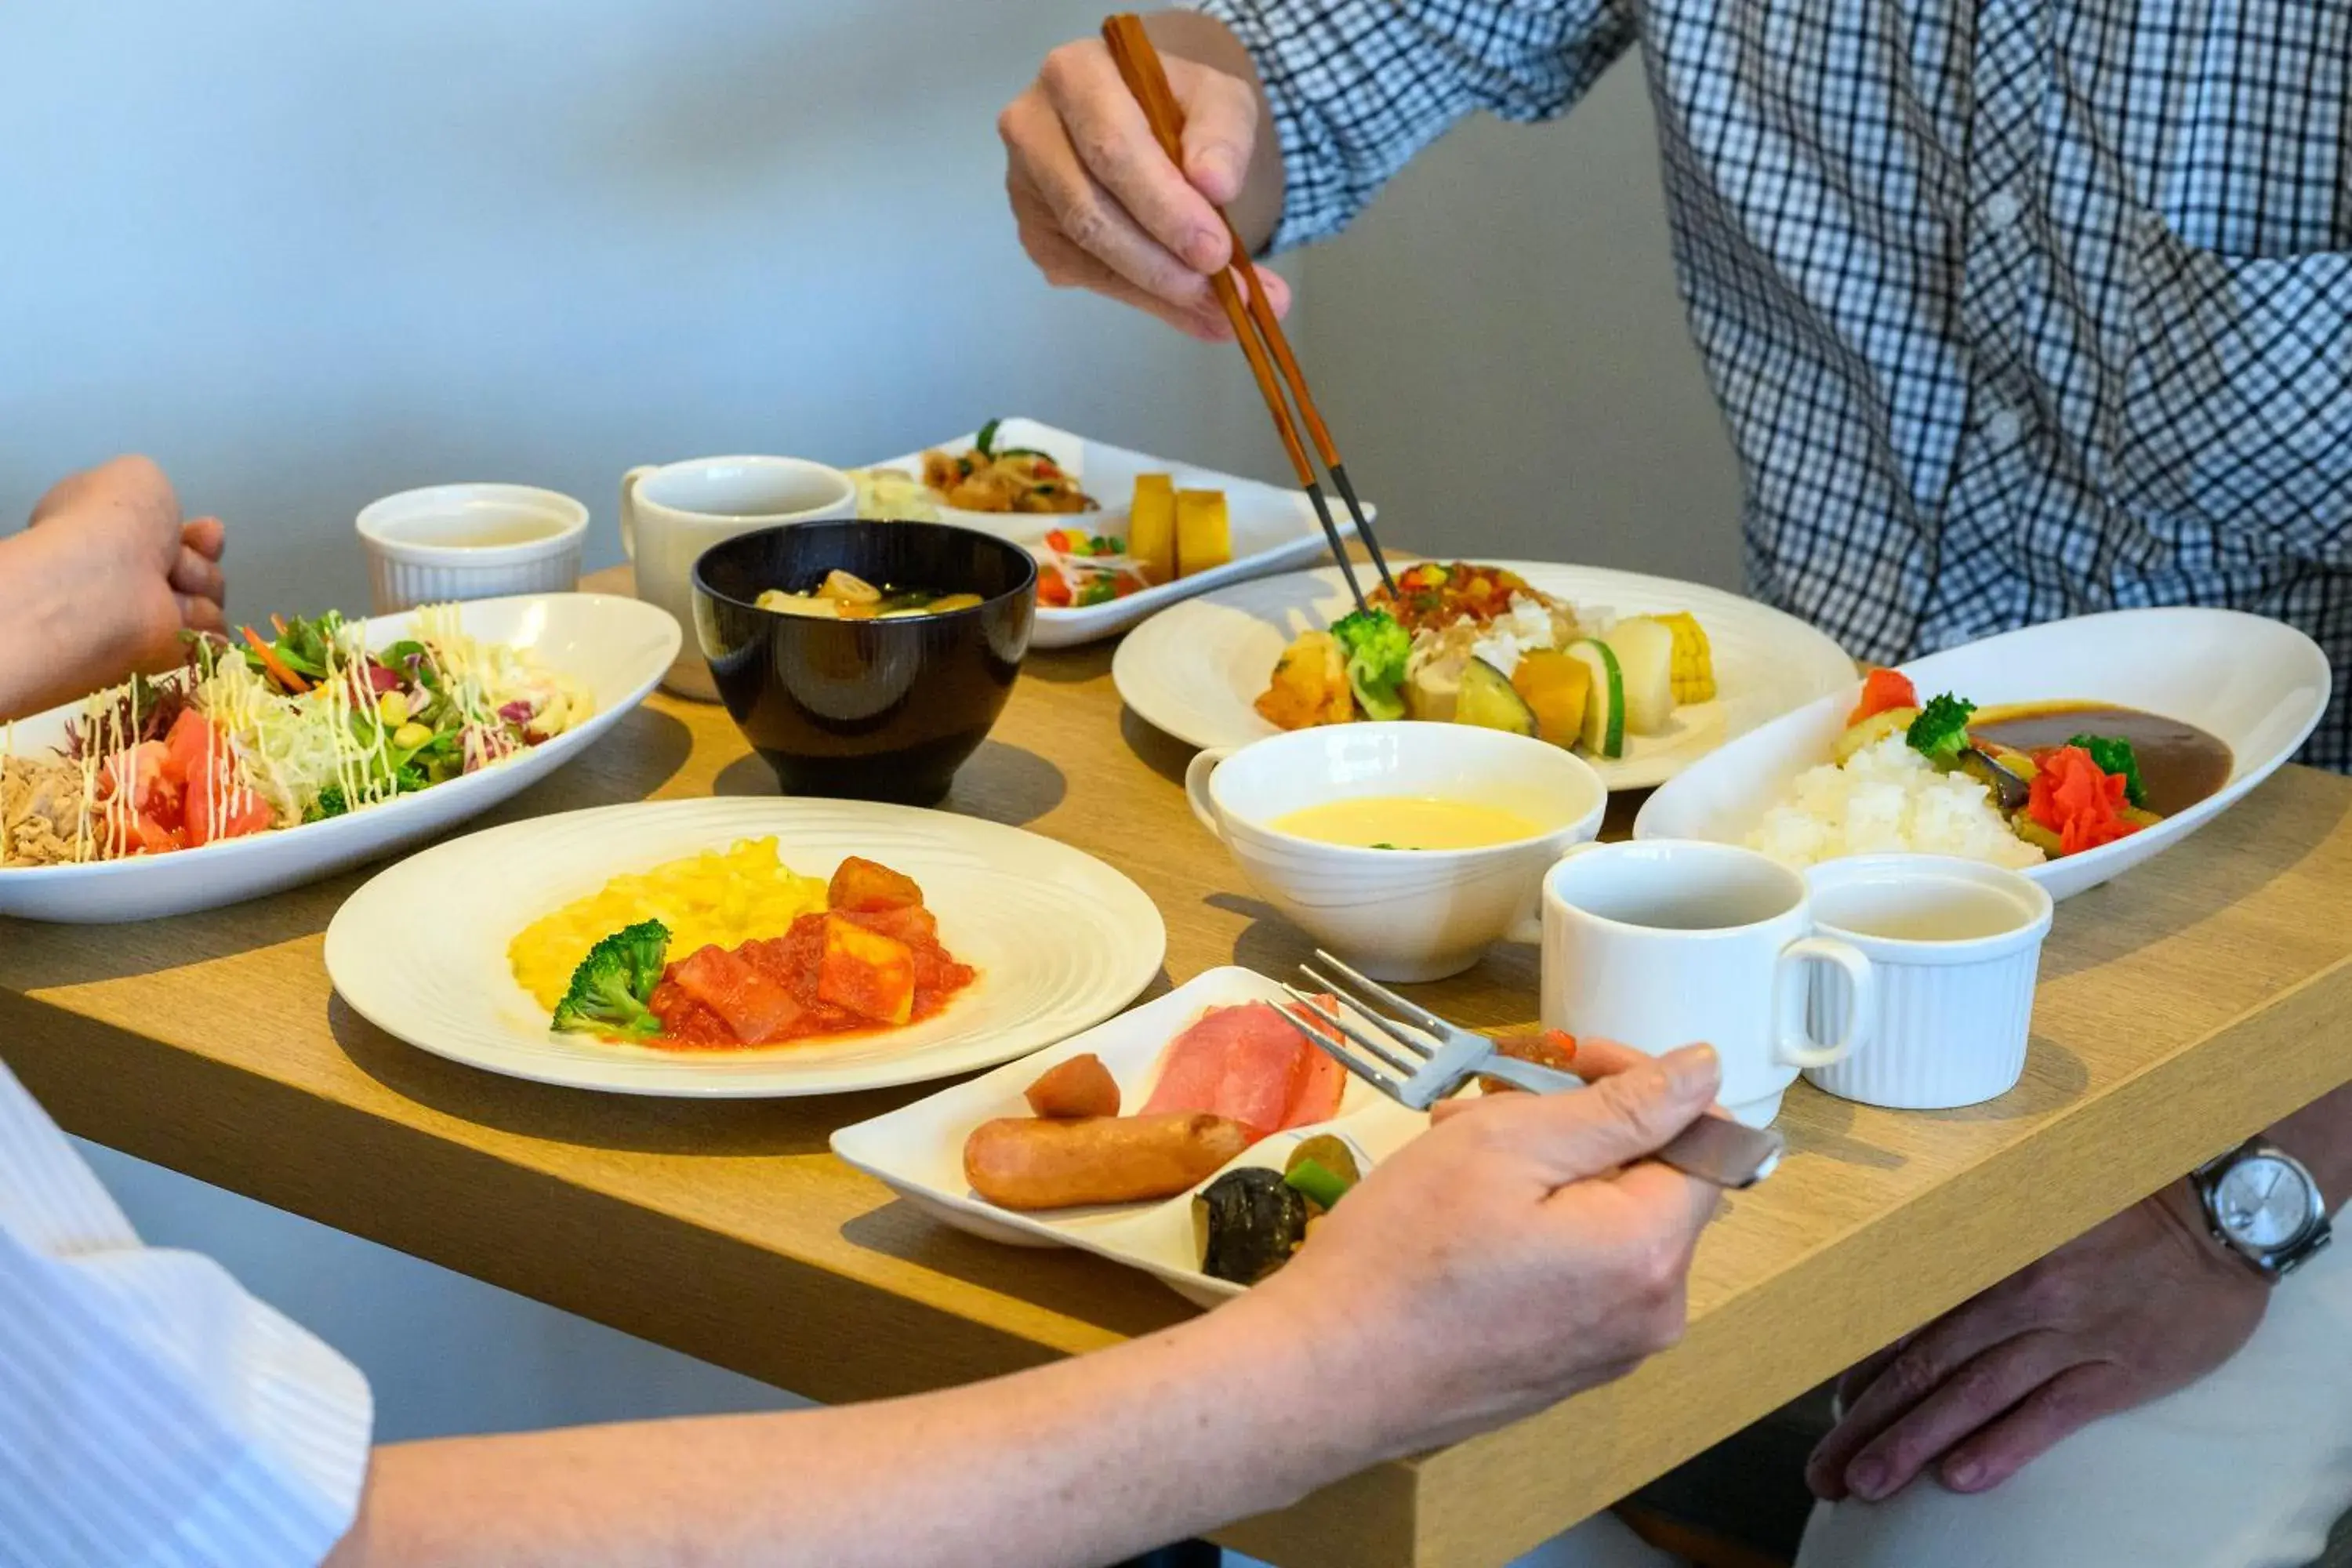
{"points": [[1246, 1064]]}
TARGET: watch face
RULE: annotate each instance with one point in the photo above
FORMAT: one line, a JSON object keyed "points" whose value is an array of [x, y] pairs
{"points": [[2261, 1202]]}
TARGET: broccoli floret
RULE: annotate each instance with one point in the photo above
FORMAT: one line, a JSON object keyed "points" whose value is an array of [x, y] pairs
{"points": [[613, 983], [330, 802], [1941, 731], [1376, 647], [2114, 754]]}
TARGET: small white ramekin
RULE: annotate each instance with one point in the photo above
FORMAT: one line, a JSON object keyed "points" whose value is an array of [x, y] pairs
{"points": [[1954, 1015], [416, 556]]}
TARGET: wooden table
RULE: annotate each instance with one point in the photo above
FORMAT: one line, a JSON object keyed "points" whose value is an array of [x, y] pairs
{"points": [[2181, 1008]]}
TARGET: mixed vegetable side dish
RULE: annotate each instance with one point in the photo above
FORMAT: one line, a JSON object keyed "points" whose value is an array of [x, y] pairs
{"points": [[1235, 1076], [264, 733], [989, 478], [1476, 645], [1171, 534], [730, 948], [2015, 785]]}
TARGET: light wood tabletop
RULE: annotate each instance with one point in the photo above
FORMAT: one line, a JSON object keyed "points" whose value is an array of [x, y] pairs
{"points": [[2182, 1007]]}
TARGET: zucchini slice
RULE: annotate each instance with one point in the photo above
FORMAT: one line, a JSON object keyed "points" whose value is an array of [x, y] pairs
{"points": [[1645, 657], [1604, 709]]}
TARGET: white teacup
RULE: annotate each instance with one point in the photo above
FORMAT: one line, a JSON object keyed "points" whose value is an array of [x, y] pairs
{"points": [[1955, 947], [471, 541], [1397, 914], [670, 515], [1662, 943]]}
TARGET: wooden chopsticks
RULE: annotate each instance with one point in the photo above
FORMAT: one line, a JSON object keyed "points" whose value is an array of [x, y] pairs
{"points": [[1138, 66]]}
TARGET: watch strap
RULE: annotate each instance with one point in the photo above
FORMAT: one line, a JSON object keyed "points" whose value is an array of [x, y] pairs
{"points": [[2273, 1263]]}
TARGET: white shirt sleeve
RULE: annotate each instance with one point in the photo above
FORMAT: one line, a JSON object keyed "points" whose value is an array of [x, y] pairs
{"points": [[151, 1411]]}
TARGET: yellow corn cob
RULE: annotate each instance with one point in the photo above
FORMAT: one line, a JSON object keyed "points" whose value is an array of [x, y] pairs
{"points": [[1693, 663]]}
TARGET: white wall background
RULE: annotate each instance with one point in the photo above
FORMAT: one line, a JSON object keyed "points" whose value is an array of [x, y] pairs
{"points": [[306, 254]]}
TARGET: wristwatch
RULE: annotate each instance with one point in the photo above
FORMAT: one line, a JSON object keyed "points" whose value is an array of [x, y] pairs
{"points": [[2263, 1206]]}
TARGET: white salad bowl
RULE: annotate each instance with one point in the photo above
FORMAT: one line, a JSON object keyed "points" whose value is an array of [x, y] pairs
{"points": [[1398, 914], [2256, 684], [615, 648]]}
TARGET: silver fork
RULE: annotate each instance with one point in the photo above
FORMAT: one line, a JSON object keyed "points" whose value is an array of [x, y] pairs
{"points": [[1433, 1059]]}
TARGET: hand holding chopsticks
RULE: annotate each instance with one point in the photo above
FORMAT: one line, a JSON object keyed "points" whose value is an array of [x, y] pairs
{"points": [[1242, 294]]}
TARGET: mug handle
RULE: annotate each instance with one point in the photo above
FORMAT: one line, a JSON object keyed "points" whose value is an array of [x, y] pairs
{"points": [[629, 508], [1796, 1047], [1196, 786], [1528, 928]]}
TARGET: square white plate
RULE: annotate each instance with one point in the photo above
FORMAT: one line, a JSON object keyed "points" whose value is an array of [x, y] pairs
{"points": [[918, 1149], [1273, 528]]}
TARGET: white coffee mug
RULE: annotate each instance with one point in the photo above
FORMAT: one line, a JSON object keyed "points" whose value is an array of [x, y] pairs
{"points": [[1955, 947], [671, 514], [1661, 942]]}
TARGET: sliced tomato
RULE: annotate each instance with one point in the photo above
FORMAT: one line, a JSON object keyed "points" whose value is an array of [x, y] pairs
{"points": [[239, 815]]}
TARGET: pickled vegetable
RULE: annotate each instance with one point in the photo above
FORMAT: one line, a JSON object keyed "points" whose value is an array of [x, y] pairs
{"points": [[1249, 1222]]}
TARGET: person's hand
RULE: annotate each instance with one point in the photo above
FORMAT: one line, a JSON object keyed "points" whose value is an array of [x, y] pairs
{"points": [[115, 549], [1098, 202], [2143, 1305], [1520, 1251]]}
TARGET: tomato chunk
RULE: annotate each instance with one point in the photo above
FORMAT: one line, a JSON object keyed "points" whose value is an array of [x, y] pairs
{"points": [[753, 1004]]}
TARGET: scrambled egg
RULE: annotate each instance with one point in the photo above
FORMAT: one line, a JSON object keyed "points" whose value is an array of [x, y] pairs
{"points": [[722, 897]]}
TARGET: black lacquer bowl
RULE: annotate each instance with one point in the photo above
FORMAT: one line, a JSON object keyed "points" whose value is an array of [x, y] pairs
{"points": [[879, 710]]}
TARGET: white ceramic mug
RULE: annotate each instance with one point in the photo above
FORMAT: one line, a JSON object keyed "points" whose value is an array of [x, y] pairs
{"points": [[471, 541], [1662, 943], [1402, 915], [1955, 947], [671, 514]]}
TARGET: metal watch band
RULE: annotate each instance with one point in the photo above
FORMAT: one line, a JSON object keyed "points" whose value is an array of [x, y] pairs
{"points": [[2278, 1262]]}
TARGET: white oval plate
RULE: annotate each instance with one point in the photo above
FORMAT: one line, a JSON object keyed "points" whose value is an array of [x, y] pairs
{"points": [[616, 647], [1061, 941], [1195, 670], [917, 1150], [2257, 684], [1273, 528]]}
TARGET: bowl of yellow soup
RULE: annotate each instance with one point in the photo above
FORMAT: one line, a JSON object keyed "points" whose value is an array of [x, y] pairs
{"points": [[1406, 849]]}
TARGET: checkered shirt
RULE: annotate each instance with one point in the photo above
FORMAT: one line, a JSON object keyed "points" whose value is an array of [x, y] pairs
{"points": [[2017, 309]]}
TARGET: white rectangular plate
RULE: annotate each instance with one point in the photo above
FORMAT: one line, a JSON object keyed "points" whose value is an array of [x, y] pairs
{"points": [[1273, 528], [918, 1149]]}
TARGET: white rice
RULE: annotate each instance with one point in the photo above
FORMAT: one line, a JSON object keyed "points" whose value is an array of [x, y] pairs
{"points": [[1887, 796]]}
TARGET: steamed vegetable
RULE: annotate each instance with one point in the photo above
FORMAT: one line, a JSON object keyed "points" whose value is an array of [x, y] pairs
{"points": [[1605, 708], [1375, 648], [1941, 731], [611, 988], [1870, 731], [1556, 689], [1488, 701], [1694, 658], [1645, 661]]}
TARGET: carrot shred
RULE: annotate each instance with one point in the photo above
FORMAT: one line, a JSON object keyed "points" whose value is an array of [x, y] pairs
{"points": [[273, 664], [278, 621]]}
